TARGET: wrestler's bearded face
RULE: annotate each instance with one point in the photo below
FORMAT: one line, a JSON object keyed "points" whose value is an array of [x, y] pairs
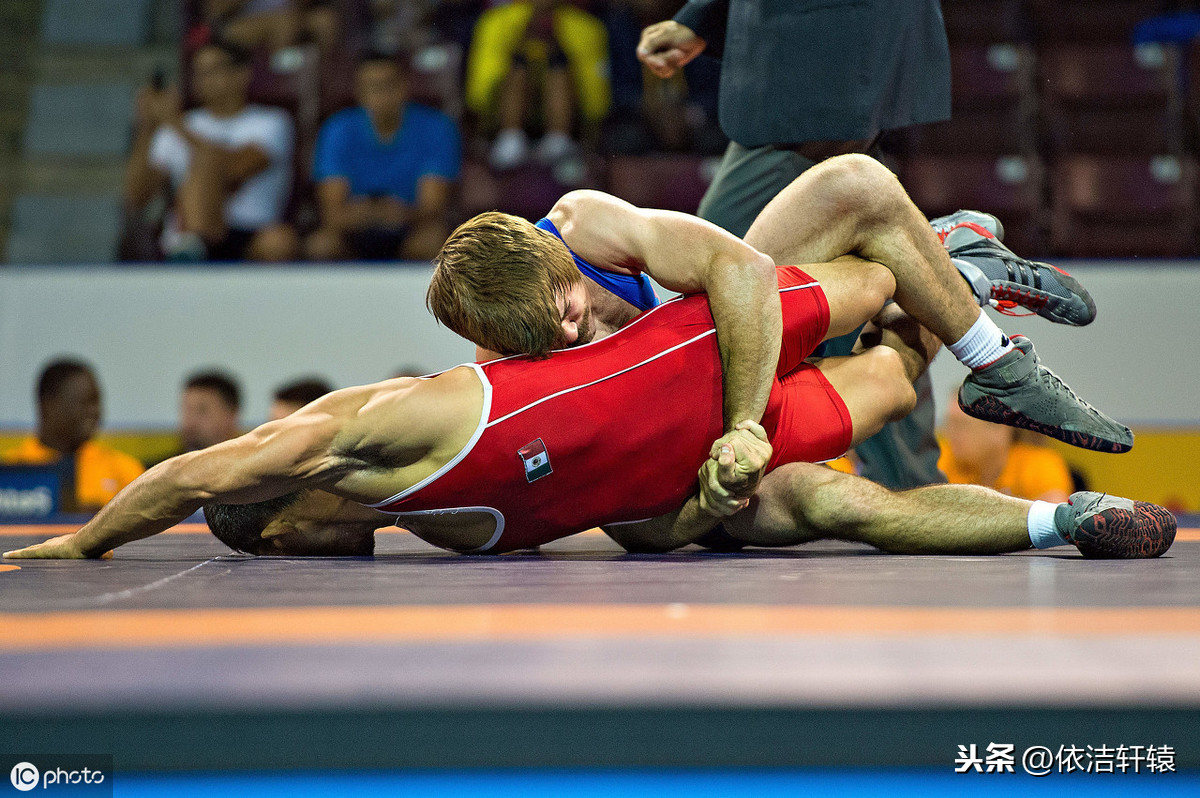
{"points": [[576, 316]]}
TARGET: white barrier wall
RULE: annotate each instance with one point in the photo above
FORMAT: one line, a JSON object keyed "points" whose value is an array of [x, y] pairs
{"points": [[145, 329]]}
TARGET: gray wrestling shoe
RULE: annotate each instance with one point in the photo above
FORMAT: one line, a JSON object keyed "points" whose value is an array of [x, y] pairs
{"points": [[1002, 279], [1019, 391], [944, 224], [1107, 527]]}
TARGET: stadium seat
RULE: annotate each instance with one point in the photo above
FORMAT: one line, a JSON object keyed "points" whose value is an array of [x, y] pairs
{"points": [[435, 78], [994, 104], [1123, 206], [1011, 187], [984, 21], [1057, 21], [529, 191], [673, 182], [1111, 98]]}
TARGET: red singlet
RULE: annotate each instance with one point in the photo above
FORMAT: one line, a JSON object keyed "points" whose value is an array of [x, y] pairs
{"points": [[615, 431]]}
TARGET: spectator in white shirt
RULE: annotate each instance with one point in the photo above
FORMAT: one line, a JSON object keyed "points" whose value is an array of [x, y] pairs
{"points": [[229, 164]]}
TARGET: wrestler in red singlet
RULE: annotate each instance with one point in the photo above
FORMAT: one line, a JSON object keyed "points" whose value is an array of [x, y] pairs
{"points": [[616, 430]]}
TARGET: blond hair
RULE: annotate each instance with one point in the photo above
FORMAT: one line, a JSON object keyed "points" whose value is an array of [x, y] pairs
{"points": [[495, 281]]}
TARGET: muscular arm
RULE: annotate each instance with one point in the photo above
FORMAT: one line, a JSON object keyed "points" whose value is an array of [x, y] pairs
{"points": [[270, 461], [727, 481], [689, 255], [667, 532]]}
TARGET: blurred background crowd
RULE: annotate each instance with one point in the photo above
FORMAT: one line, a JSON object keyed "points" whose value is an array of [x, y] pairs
{"points": [[328, 130]]}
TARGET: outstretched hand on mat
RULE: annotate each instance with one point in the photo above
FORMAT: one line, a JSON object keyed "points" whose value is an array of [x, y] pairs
{"points": [[63, 547]]}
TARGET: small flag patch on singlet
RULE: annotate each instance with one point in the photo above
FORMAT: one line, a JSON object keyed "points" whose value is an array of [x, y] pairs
{"points": [[536, 460]]}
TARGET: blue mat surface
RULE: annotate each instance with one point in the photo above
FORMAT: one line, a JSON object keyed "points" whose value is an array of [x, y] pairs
{"points": [[668, 784]]}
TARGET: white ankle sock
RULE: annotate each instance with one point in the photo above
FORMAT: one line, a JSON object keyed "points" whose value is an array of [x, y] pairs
{"points": [[984, 343], [1043, 533]]}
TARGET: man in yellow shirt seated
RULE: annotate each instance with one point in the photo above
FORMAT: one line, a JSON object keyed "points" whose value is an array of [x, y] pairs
{"points": [[978, 452], [68, 400]]}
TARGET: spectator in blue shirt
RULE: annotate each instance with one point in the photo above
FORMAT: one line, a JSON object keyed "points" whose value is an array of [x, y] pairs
{"points": [[383, 172]]}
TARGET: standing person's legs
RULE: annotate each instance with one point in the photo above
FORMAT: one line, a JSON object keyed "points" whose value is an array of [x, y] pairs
{"points": [[746, 180], [904, 454]]}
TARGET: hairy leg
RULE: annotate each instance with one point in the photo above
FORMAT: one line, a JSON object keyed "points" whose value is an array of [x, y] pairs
{"points": [[855, 289], [802, 502], [852, 204], [895, 329]]}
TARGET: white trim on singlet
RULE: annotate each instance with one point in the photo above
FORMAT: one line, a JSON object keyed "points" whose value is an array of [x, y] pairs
{"points": [[487, 405], [492, 511], [813, 284], [605, 378], [630, 368], [483, 417]]}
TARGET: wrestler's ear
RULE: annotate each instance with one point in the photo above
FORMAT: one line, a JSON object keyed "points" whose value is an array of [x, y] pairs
{"points": [[278, 530], [570, 331]]}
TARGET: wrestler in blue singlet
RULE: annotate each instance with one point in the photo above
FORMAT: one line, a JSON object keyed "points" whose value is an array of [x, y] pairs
{"points": [[635, 289]]}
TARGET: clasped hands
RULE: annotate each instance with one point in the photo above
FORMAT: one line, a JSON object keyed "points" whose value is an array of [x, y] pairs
{"points": [[735, 466]]}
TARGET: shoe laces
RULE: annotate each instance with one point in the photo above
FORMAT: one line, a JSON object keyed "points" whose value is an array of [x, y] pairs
{"points": [[1005, 298], [1006, 306], [1058, 382]]}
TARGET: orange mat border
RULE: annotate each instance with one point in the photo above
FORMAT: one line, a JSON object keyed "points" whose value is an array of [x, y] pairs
{"points": [[123, 629]]}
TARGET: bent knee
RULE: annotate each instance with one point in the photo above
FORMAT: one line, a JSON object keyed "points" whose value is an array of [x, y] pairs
{"points": [[859, 185]]}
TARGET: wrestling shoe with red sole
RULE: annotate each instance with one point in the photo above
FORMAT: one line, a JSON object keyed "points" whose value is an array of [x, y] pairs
{"points": [[1107, 527], [1018, 391]]}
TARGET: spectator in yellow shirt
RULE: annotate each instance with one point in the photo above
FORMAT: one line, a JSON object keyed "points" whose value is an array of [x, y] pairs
{"points": [[981, 453], [530, 51], [69, 410]]}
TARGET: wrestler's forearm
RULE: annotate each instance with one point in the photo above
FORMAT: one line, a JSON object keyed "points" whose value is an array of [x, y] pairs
{"points": [[152, 503], [746, 310], [666, 532]]}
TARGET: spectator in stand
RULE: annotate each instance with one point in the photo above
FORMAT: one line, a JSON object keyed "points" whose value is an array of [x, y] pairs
{"points": [[228, 162], [69, 411], [273, 24], [978, 452], [384, 172], [540, 64], [291, 397], [209, 410]]}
